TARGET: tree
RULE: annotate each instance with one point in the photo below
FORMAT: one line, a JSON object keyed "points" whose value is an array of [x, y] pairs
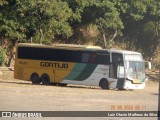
{"points": [[47, 18], [105, 15], [141, 25], [152, 27], [3, 2], [10, 26], [22, 19], [109, 22]]}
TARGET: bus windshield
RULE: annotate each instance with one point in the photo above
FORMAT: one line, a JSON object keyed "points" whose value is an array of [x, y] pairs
{"points": [[136, 70], [135, 67]]}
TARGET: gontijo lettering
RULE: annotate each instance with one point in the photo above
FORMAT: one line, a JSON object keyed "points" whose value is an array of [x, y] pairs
{"points": [[54, 65]]}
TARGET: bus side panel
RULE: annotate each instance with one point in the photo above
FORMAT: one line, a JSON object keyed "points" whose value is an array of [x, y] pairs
{"points": [[101, 72], [80, 72], [25, 68], [28, 72], [89, 75], [18, 73], [25, 73], [73, 71]]}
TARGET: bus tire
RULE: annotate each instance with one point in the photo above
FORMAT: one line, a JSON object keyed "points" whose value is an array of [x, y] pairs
{"points": [[104, 84], [45, 79], [35, 78]]}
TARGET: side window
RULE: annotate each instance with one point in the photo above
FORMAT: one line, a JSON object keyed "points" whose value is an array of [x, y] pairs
{"points": [[88, 58], [69, 55], [92, 57], [102, 58], [96, 58], [85, 57], [117, 58]]}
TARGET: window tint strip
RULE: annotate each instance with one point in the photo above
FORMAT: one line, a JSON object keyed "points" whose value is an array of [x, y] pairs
{"points": [[53, 54]]}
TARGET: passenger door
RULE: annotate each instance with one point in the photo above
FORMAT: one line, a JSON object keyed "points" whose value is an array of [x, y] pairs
{"points": [[117, 59]]}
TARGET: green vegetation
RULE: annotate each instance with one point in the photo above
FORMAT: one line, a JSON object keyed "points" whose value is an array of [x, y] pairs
{"points": [[126, 24], [2, 57]]}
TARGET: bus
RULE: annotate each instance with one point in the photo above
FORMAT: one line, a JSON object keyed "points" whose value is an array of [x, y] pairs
{"points": [[79, 65]]}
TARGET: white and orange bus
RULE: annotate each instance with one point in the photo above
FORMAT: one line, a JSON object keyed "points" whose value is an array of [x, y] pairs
{"points": [[81, 65]]}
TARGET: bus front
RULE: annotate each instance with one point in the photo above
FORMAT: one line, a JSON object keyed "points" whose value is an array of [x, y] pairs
{"points": [[134, 71]]}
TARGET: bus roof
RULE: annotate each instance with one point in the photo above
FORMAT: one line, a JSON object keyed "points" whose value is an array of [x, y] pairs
{"points": [[77, 47], [124, 51], [64, 46]]}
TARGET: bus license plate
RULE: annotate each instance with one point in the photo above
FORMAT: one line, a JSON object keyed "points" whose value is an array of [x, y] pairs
{"points": [[136, 81]]}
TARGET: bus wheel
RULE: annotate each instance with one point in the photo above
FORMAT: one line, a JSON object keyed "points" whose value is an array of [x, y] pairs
{"points": [[35, 78], [45, 79], [104, 84]]}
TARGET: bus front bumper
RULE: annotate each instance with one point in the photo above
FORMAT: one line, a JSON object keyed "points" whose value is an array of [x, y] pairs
{"points": [[134, 84]]}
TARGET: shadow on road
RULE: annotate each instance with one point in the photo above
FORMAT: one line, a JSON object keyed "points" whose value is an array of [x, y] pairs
{"points": [[15, 82], [59, 85]]}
